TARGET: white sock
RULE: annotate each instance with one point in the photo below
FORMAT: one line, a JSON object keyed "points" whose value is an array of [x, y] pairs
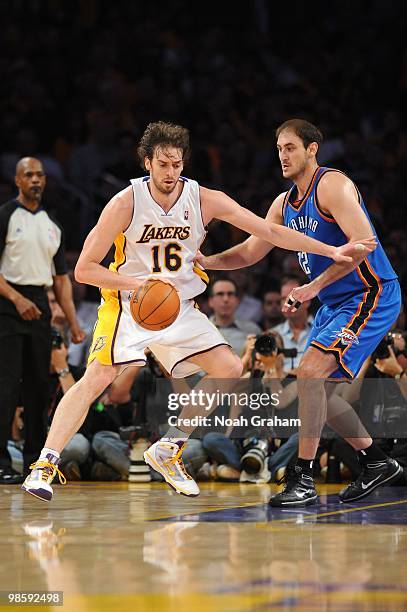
{"points": [[49, 451]]}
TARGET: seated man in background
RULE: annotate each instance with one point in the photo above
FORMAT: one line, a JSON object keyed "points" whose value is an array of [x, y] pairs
{"points": [[223, 301]]}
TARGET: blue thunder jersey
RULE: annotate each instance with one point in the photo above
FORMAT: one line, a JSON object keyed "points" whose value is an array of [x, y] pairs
{"points": [[306, 216]]}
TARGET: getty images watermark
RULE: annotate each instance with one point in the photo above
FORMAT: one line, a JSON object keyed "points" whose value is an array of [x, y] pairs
{"points": [[244, 401]]}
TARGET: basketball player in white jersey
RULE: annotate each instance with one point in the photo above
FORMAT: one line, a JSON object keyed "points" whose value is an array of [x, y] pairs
{"points": [[157, 225]]}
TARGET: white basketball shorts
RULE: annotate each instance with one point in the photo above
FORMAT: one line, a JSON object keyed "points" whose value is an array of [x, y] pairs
{"points": [[119, 340]]}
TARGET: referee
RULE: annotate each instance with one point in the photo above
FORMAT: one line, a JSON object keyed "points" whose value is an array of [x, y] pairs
{"points": [[32, 258]]}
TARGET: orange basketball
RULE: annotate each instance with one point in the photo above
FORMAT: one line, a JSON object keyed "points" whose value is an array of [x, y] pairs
{"points": [[155, 305]]}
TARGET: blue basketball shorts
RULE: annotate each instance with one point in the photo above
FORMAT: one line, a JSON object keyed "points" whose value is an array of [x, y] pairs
{"points": [[352, 330]]}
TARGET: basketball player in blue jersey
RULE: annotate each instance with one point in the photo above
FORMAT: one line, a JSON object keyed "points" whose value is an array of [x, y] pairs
{"points": [[360, 302], [157, 225]]}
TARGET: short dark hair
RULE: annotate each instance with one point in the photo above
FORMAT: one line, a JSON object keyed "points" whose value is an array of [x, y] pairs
{"points": [[303, 129], [222, 278], [163, 134]]}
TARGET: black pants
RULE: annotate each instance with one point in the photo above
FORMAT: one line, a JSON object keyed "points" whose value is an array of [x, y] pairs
{"points": [[25, 351]]}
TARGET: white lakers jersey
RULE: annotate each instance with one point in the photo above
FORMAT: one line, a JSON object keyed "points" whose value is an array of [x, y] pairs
{"points": [[163, 244]]}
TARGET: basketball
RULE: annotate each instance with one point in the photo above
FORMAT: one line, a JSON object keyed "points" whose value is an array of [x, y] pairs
{"points": [[155, 305]]}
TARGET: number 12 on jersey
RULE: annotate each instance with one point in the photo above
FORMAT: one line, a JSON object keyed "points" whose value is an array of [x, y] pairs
{"points": [[167, 256], [304, 263]]}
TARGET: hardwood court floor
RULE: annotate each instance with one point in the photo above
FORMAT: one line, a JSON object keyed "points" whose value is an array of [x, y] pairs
{"points": [[140, 547]]}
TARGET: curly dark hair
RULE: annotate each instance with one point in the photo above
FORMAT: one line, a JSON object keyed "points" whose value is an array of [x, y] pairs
{"points": [[163, 134], [303, 129]]}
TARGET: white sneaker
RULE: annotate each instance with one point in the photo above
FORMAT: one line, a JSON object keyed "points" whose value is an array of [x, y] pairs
{"points": [[38, 483], [165, 458]]}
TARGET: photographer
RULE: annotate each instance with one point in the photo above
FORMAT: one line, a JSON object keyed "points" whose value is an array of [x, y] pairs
{"points": [[383, 399], [380, 387], [393, 361], [245, 454], [268, 363]]}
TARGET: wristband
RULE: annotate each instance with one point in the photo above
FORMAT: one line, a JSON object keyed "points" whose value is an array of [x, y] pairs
{"points": [[398, 376], [62, 373]]}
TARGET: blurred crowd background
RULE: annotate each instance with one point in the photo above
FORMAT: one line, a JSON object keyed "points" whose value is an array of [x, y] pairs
{"points": [[81, 79]]}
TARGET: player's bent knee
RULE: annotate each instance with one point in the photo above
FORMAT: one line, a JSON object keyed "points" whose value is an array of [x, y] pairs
{"points": [[97, 377], [306, 371]]}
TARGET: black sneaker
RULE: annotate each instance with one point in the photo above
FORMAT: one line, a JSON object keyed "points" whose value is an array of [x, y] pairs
{"points": [[9, 476], [299, 489], [373, 475]]}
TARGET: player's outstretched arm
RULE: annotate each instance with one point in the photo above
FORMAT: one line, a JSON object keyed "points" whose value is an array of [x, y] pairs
{"points": [[216, 204], [246, 253], [114, 220]]}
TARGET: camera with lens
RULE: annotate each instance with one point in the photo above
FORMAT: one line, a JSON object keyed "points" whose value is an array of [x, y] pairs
{"points": [[266, 346], [56, 338], [382, 349], [255, 451], [399, 335]]}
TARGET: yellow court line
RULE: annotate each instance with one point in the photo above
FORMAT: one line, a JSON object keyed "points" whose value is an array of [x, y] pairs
{"points": [[238, 602], [211, 509], [248, 505], [332, 513], [159, 486], [156, 602]]}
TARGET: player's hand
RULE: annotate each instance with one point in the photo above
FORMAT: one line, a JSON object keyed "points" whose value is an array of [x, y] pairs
{"points": [[250, 342], [354, 250], [163, 279], [137, 282], [59, 358], [200, 259], [389, 365], [77, 333], [298, 295], [27, 309]]}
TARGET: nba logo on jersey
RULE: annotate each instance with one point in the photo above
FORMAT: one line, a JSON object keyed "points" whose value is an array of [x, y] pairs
{"points": [[186, 213], [99, 344], [347, 336]]}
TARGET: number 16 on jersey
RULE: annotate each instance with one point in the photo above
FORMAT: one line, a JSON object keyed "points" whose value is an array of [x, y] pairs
{"points": [[166, 256]]}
